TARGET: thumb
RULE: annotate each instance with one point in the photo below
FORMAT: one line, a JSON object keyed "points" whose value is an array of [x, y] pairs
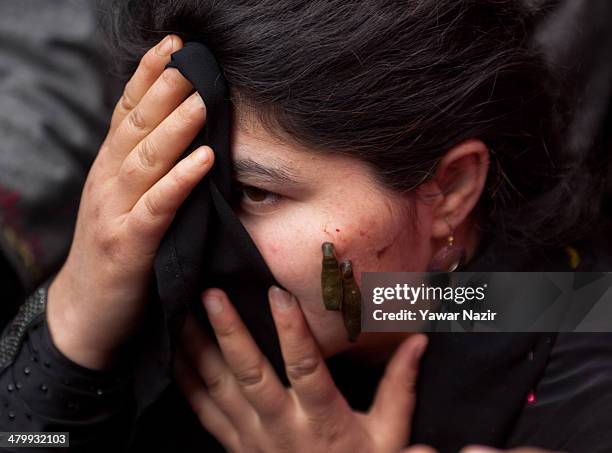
{"points": [[391, 412]]}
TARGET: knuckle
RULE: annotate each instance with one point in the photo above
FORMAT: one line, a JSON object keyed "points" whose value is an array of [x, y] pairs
{"points": [[152, 205], [251, 375], [126, 102], [136, 120], [172, 78], [127, 171], [147, 154], [180, 180], [226, 329], [216, 384], [109, 244], [303, 367], [186, 116]]}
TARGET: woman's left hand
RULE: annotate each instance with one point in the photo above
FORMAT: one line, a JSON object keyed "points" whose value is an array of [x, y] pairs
{"points": [[240, 400]]}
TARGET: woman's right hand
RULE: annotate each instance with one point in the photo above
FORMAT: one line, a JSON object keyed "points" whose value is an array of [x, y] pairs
{"points": [[130, 197]]}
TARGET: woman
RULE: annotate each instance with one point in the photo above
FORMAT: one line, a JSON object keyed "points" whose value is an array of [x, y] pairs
{"points": [[385, 128]]}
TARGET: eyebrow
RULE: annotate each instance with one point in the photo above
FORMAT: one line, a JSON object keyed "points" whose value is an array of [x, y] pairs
{"points": [[248, 169]]}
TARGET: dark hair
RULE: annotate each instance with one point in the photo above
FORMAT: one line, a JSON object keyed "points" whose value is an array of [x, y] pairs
{"points": [[395, 84]]}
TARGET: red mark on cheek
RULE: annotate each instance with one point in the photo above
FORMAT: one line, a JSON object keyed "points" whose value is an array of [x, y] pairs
{"points": [[337, 230], [381, 252], [363, 234]]}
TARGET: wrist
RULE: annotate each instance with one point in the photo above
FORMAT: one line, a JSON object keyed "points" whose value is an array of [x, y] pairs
{"points": [[68, 329]]}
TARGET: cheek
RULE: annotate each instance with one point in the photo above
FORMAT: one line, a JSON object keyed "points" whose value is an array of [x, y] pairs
{"points": [[292, 251], [291, 246], [385, 240], [288, 245]]}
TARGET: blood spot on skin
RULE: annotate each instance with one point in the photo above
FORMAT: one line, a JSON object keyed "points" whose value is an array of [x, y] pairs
{"points": [[337, 230], [381, 252]]}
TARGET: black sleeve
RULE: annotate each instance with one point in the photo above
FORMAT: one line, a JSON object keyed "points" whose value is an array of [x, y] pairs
{"points": [[41, 390], [570, 408]]}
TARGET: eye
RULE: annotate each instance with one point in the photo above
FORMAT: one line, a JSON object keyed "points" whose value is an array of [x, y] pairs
{"points": [[255, 197]]}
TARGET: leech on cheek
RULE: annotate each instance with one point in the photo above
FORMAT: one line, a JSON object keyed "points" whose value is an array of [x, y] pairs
{"points": [[351, 302], [331, 278]]}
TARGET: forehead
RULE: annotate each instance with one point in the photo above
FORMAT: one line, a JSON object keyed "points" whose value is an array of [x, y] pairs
{"points": [[251, 141]]}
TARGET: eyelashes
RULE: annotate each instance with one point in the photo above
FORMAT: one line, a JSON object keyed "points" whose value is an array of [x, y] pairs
{"points": [[252, 197]]}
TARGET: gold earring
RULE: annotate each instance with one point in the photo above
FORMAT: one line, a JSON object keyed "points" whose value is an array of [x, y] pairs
{"points": [[450, 257]]}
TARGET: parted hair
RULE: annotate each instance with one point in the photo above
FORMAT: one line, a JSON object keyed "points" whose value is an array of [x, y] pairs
{"points": [[396, 84]]}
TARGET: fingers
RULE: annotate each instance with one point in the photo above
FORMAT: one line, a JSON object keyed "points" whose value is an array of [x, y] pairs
{"points": [[209, 414], [157, 152], [154, 211], [212, 369], [396, 394], [306, 369], [251, 370], [160, 100], [149, 69]]}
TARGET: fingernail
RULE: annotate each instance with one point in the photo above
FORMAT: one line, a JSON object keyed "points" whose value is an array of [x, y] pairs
{"points": [[213, 304], [420, 349], [165, 47], [281, 299], [201, 155], [195, 101]]}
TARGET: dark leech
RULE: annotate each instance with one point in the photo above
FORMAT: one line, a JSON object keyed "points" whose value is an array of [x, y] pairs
{"points": [[331, 278], [351, 303]]}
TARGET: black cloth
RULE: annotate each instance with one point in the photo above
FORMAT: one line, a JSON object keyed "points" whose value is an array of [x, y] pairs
{"points": [[206, 246]]}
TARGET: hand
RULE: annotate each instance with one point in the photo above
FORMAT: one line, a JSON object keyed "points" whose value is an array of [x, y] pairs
{"points": [[240, 400], [130, 197]]}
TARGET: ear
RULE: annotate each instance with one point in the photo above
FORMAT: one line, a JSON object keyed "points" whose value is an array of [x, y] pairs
{"points": [[460, 177]]}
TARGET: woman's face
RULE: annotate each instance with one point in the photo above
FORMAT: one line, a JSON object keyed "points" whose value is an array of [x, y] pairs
{"points": [[296, 199]]}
